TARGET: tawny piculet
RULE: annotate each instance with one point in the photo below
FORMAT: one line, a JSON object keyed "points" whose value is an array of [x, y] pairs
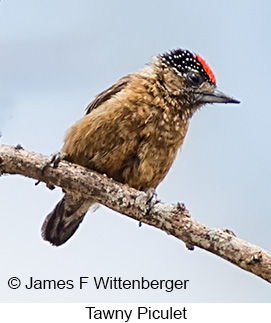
{"points": [[132, 131]]}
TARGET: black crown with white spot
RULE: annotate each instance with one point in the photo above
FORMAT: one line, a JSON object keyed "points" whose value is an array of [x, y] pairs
{"points": [[184, 61]]}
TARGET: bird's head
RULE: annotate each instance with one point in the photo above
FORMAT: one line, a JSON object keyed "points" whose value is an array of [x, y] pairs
{"points": [[186, 75]]}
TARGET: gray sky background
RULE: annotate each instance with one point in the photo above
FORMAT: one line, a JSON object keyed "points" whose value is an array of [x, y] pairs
{"points": [[54, 57]]}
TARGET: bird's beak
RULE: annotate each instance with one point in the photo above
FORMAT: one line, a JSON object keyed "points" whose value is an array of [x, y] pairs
{"points": [[217, 97]]}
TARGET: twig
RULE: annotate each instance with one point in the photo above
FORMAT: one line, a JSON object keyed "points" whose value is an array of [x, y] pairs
{"points": [[172, 219]]}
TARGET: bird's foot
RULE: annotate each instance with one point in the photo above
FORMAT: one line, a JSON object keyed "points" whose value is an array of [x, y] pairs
{"points": [[151, 199], [54, 160]]}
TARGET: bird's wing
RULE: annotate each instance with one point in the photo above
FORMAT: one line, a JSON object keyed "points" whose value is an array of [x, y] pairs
{"points": [[108, 93]]}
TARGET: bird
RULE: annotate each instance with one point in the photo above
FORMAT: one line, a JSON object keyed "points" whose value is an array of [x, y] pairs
{"points": [[133, 130]]}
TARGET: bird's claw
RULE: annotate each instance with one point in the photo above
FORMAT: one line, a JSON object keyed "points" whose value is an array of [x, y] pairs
{"points": [[151, 199], [54, 160]]}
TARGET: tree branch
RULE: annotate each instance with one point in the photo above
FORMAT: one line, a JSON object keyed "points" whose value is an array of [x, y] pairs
{"points": [[172, 219]]}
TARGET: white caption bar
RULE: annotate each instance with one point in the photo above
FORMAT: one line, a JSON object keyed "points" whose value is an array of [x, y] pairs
{"points": [[134, 312]]}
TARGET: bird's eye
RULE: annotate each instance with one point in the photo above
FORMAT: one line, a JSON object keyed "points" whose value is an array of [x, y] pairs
{"points": [[194, 78]]}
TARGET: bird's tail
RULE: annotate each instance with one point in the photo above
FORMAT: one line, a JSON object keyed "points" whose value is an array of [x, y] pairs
{"points": [[64, 220]]}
